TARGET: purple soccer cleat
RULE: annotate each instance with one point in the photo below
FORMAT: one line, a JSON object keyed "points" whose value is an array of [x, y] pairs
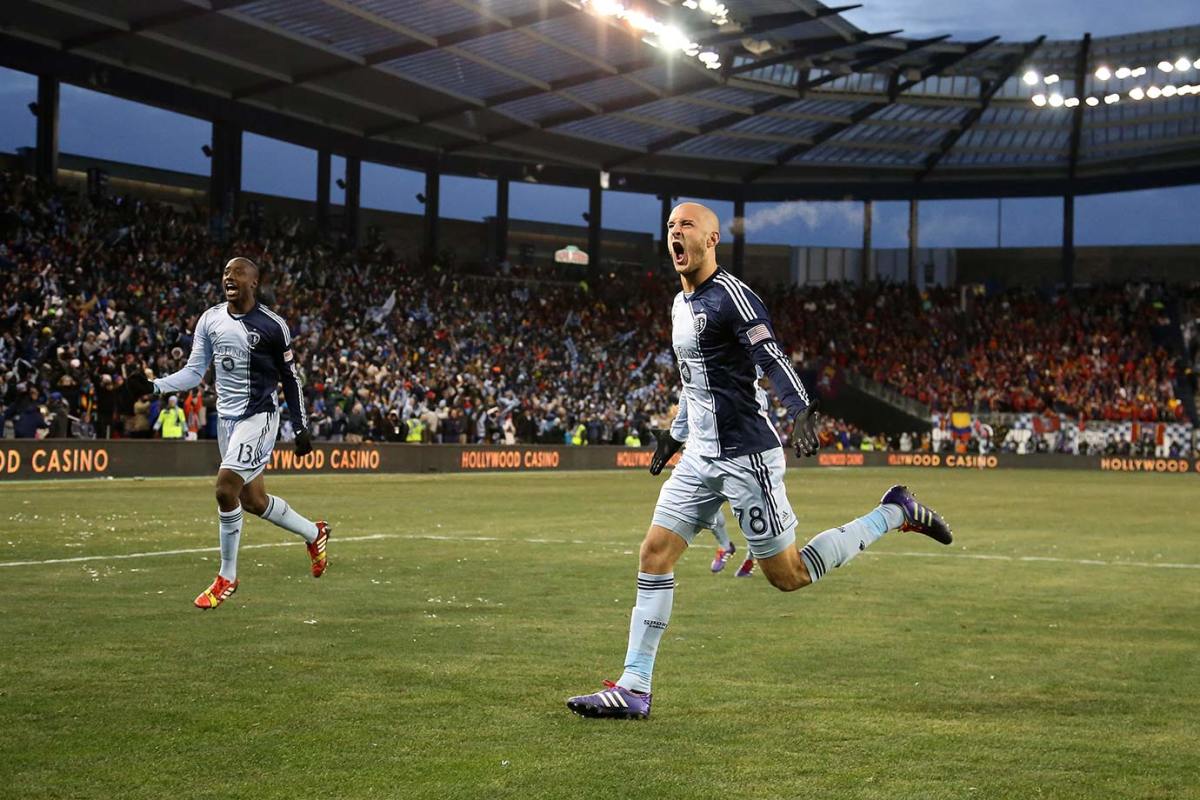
{"points": [[917, 517], [614, 702], [746, 569], [723, 557]]}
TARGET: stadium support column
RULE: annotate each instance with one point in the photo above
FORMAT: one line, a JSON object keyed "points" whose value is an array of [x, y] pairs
{"points": [[867, 271], [739, 235], [501, 220], [225, 175], [913, 240], [595, 223], [324, 165], [46, 159], [353, 197], [1068, 241], [433, 184]]}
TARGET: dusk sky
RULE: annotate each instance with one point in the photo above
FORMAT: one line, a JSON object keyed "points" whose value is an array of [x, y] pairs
{"points": [[98, 125]]}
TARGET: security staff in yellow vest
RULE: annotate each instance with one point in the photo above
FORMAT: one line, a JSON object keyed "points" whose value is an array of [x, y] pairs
{"points": [[579, 435], [633, 440], [171, 420], [416, 431]]}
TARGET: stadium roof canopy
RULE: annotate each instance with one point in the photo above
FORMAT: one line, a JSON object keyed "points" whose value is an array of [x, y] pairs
{"points": [[804, 104]]}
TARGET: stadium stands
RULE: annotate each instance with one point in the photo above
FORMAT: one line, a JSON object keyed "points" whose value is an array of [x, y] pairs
{"points": [[391, 352]]}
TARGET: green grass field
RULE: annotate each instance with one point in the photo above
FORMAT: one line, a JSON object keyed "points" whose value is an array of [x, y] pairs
{"points": [[433, 661]]}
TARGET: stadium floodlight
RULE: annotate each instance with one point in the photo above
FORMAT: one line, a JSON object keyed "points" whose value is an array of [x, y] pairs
{"points": [[1136, 93], [1039, 100], [1109, 99], [1051, 79], [1030, 77], [1122, 73], [1166, 66], [1196, 64], [1103, 73], [1056, 100], [1183, 64], [1137, 73], [1153, 92], [1093, 101], [1169, 90], [1071, 102]]}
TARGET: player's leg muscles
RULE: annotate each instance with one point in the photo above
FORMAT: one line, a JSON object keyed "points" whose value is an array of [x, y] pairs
{"points": [[786, 570], [229, 488], [660, 550], [254, 496]]}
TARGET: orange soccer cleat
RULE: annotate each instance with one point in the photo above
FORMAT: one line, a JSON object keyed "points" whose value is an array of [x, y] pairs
{"points": [[316, 549], [220, 591]]}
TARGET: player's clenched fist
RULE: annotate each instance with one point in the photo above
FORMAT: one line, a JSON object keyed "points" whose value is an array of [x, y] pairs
{"points": [[804, 432], [668, 446], [303, 443]]}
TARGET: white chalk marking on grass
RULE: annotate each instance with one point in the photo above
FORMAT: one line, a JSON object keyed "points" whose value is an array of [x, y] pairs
{"points": [[188, 551], [1051, 559], [435, 537]]}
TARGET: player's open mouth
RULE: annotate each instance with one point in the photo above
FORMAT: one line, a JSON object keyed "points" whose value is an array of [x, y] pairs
{"points": [[679, 252], [231, 288]]}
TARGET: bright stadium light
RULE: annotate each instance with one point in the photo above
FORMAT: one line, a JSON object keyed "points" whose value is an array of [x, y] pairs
{"points": [[1093, 101], [1050, 80], [1109, 99], [1056, 99], [1071, 102], [1169, 90], [1153, 92], [1166, 66], [1122, 73], [1196, 64], [1039, 100], [1183, 64], [1103, 74], [1137, 73], [1030, 77], [1136, 93]]}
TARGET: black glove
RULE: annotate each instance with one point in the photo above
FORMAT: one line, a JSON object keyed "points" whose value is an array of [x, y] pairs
{"points": [[668, 446], [804, 432], [303, 443], [139, 384]]}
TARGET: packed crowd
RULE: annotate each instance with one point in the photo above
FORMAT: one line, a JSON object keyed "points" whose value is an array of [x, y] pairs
{"points": [[92, 290], [1096, 354]]}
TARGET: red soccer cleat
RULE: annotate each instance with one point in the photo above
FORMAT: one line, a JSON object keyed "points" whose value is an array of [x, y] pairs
{"points": [[316, 549], [220, 591], [746, 569]]}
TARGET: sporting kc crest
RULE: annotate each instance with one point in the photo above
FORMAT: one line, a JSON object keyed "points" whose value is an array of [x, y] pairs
{"points": [[254, 337], [700, 321]]}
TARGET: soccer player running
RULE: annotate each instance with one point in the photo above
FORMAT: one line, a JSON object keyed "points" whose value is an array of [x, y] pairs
{"points": [[724, 343], [253, 351]]}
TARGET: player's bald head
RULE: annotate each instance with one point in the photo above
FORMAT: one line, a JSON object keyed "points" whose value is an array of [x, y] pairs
{"points": [[701, 215], [245, 263]]}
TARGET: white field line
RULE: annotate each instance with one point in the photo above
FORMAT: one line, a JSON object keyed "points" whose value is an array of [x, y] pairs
{"points": [[631, 544]]}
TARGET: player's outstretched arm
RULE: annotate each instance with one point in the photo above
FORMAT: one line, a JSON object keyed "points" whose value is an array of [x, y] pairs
{"points": [[197, 364]]}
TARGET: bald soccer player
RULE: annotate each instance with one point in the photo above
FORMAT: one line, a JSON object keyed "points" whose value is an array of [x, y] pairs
{"points": [[724, 344], [252, 348]]}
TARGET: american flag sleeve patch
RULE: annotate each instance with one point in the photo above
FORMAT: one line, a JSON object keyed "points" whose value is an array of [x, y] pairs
{"points": [[759, 333]]}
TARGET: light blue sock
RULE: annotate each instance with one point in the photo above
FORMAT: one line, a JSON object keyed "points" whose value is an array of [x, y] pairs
{"points": [[646, 626], [836, 546], [230, 528], [722, 534]]}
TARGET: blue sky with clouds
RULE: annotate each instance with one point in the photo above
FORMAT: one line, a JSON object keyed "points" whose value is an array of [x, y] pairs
{"points": [[98, 125]]}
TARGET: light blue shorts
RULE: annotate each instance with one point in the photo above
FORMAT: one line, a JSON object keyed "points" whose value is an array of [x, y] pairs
{"points": [[691, 498], [246, 444]]}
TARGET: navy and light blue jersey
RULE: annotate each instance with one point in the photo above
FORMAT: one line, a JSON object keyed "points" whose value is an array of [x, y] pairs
{"points": [[252, 353], [724, 343]]}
